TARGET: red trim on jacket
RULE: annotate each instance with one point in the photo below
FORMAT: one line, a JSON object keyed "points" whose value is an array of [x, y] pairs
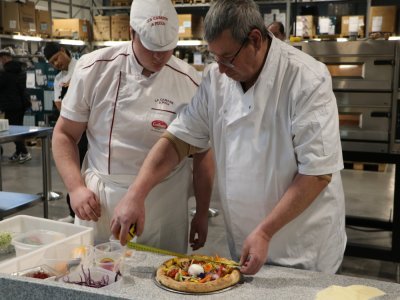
{"points": [[187, 75], [112, 124], [106, 60]]}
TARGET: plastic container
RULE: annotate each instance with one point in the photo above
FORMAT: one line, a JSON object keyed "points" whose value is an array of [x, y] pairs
{"points": [[67, 257], [42, 272], [74, 234], [35, 239], [108, 255]]}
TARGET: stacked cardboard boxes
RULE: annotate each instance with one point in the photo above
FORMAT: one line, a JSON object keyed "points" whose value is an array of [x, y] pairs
{"points": [[10, 17], [27, 18], [120, 28], [71, 29], [190, 26], [102, 28], [18, 17], [121, 2], [383, 19], [305, 26], [353, 25], [43, 23]]}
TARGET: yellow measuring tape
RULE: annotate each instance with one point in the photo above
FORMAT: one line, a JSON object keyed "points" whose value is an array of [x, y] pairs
{"points": [[141, 247]]}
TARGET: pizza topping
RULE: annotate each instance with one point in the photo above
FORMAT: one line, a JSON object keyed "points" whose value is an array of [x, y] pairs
{"points": [[196, 270], [183, 269]]}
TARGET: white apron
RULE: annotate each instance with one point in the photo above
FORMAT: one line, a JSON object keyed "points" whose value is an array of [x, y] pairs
{"points": [[133, 133], [163, 227]]}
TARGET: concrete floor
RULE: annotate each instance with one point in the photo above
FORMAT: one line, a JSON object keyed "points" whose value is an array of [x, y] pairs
{"points": [[368, 194]]}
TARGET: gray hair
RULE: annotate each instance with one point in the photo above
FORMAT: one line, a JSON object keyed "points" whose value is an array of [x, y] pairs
{"points": [[239, 16]]}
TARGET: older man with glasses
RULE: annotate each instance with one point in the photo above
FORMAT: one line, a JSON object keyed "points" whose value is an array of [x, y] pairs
{"points": [[271, 116]]}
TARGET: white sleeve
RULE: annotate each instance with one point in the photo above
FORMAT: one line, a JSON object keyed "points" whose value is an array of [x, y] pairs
{"points": [[57, 87], [191, 124], [315, 127], [75, 105]]}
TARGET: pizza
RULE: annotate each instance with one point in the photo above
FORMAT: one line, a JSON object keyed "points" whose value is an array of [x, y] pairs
{"points": [[198, 274]]}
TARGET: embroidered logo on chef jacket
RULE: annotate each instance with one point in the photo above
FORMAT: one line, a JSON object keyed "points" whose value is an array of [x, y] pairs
{"points": [[162, 114]]}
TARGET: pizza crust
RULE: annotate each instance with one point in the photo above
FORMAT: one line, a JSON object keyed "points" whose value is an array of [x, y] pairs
{"points": [[193, 287]]}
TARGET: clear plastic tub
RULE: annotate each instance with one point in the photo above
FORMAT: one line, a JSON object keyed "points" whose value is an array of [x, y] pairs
{"points": [[35, 239], [74, 234], [67, 257]]}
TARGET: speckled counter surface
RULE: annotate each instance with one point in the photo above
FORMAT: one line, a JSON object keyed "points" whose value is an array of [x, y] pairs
{"points": [[270, 283]]}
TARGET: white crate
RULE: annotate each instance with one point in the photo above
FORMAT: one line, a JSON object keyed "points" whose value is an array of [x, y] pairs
{"points": [[75, 234]]}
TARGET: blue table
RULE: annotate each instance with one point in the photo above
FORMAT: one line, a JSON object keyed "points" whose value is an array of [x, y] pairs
{"points": [[16, 133]]}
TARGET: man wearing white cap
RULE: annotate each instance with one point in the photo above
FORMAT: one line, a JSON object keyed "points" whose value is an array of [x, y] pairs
{"points": [[125, 97]]}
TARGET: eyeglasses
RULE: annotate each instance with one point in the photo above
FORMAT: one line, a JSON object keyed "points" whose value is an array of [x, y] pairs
{"points": [[230, 64]]}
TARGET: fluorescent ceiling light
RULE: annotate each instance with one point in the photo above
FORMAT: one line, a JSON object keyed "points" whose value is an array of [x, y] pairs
{"points": [[111, 43], [72, 42], [342, 39], [27, 38], [190, 43]]}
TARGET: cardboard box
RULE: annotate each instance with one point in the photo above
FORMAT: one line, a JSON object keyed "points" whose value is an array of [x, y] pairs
{"points": [[305, 26], [120, 28], [10, 17], [102, 28], [121, 2], [27, 18], [190, 26], [43, 23], [354, 25], [70, 28], [383, 18]]}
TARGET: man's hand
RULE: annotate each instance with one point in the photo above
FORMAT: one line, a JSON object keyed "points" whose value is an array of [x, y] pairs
{"points": [[199, 226], [127, 212], [85, 204], [254, 252]]}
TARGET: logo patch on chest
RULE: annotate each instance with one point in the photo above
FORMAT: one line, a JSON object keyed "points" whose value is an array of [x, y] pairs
{"points": [[159, 124]]}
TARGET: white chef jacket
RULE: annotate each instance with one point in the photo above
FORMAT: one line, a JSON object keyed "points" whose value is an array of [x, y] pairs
{"points": [[126, 114], [62, 78], [286, 123]]}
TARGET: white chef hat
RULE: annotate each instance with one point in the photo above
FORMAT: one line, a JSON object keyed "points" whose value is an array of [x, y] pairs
{"points": [[156, 22]]}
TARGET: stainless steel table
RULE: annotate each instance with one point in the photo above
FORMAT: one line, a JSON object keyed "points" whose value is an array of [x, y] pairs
{"points": [[16, 133]]}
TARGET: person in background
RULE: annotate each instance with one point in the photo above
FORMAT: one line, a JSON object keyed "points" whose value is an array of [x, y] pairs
{"points": [[278, 30], [125, 97], [272, 119], [60, 58], [14, 100]]}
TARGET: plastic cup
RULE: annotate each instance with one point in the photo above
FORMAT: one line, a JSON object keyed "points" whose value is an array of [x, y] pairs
{"points": [[108, 255]]}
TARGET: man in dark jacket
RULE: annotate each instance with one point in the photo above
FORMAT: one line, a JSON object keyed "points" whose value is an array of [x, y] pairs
{"points": [[14, 99]]}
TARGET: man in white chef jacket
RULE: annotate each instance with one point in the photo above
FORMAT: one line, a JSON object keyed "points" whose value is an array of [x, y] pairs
{"points": [[271, 116], [125, 97]]}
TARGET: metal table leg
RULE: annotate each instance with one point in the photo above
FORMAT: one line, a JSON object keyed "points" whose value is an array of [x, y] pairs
{"points": [[46, 173]]}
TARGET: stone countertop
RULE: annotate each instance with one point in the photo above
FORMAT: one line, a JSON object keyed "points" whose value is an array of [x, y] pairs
{"points": [[271, 282]]}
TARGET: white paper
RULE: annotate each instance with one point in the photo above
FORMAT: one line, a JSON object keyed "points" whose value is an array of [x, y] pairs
{"points": [[324, 25], [274, 11], [268, 19], [377, 24], [30, 79], [48, 100], [353, 24], [281, 18], [13, 24], [299, 28], [197, 60]]}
